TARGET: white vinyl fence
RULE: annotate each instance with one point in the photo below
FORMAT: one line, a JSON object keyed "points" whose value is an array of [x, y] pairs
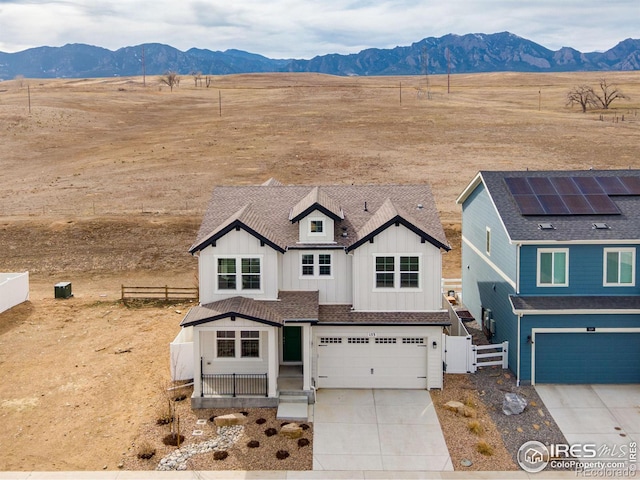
{"points": [[14, 289], [181, 350]]}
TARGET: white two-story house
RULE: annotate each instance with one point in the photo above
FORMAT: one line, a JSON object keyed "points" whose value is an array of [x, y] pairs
{"points": [[305, 287]]}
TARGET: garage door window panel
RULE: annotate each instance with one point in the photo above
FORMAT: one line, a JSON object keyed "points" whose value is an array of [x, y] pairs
{"points": [[619, 266]]}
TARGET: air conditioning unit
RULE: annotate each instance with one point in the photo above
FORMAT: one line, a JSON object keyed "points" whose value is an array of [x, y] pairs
{"points": [[486, 316], [492, 326]]}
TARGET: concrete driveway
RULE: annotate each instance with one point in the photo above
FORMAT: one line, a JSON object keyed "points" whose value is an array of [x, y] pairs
{"points": [[601, 414], [390, 430]]}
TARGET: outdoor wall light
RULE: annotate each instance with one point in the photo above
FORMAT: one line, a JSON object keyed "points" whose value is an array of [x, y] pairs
{"points": [[434, 345], [529, 340]]}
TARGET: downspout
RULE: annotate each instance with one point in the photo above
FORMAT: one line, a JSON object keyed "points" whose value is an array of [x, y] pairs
{"points": [[519, 315]]}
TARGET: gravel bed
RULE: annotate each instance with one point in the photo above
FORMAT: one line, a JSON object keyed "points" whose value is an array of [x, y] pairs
{"points": [[534, 423]]}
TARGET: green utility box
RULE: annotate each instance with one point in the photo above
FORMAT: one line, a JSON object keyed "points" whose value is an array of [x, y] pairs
{"points": [[63, 290]]}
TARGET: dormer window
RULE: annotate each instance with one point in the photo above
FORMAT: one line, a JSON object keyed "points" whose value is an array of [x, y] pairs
{"points": [[316, 227]]}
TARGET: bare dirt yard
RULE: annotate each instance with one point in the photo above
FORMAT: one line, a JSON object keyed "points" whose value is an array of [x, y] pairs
{"points": [[104, 181]]}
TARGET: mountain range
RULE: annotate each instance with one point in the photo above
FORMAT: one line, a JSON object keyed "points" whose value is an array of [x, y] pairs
{"points": [[471, 53]]}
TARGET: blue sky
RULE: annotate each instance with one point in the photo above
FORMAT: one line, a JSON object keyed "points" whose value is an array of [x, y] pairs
{"points": [[305, 28]]}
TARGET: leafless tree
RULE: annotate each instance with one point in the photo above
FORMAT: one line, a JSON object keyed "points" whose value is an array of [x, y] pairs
{"points": [[582, 95], [197, 78], [607, 94], [171, 78]]}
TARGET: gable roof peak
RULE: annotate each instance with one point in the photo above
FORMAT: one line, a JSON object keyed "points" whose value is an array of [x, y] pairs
{"points": [[316, 199]]}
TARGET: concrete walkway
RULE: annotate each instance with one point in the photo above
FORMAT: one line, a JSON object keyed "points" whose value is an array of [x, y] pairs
{"points": [[380, 430], [600, 414]]}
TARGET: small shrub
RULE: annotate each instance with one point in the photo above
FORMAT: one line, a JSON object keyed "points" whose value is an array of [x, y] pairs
{"points": [[146, 451], [470, 402], [475, 427], [484, 448], [220, 455], [270, 432], [282, 454], [260, 421], [304, 426], [173, 439], [164, 419], [253, 444], [303, 442]]}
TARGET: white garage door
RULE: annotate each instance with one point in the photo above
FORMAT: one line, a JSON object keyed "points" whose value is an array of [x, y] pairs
{"points": [[372, 362]]}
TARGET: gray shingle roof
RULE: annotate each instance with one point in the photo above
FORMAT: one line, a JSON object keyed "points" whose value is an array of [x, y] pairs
{"points": [[532, 304], [625, 226], [301, 306], [342, 314], [266, 209]]}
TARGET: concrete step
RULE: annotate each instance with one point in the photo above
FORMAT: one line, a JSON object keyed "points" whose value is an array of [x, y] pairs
{"points": [[293, 398], [297, 412]]}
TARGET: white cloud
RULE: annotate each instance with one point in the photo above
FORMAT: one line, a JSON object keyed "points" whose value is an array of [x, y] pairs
{"points": [[302, 29]]}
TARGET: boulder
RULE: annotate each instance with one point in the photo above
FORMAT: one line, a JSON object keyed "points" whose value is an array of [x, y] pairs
{"points": [[461, 409], [230, 420], [291, 430], [454, 406], [513, 404]]}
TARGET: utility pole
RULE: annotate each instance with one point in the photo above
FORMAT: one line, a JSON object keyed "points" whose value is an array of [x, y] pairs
{"points": [[448, 72], [144, 72], [425, 64]]}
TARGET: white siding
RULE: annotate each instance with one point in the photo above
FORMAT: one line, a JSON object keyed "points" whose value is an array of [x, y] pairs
{"points": [[238, 243], [327, 235], [397, 240], [335, 289]]}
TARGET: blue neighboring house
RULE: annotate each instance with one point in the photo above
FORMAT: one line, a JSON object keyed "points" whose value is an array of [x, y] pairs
{"points": [[550, 263]]}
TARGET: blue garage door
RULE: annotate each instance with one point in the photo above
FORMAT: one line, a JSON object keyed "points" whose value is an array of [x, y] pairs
{"points": [[587, 358]]}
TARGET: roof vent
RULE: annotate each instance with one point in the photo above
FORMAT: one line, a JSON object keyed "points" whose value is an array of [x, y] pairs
{"points": [[600, 226], [546, 226], [420, 206]]}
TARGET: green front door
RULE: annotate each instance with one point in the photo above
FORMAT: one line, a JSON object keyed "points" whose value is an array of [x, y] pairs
{"points": [[292, 344]]}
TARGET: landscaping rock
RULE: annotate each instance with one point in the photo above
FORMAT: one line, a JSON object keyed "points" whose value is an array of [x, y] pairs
{"points": [[291, 430], [454, 406], [513, 404], [230, 420], [461, 409]]}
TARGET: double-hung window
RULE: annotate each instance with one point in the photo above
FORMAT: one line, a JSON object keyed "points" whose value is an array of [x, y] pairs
{"points": [[397, 271], [619, 267], [239, 273], [228, 344], [315, 265], [553, 267]]}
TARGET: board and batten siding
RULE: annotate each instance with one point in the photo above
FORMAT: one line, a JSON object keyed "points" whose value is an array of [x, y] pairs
{"points": [[213, 365], [333, 289], [430, 334], [586, 271], [306, 236], [397, 241], [237, 243], [489, 279]]}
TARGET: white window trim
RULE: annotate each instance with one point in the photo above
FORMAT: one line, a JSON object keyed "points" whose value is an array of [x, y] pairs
{"points": [[238, 347], [566, 267], [323, 233], [631, 250], [396, 273], [238, 259], [316, 266], [487, 241]]}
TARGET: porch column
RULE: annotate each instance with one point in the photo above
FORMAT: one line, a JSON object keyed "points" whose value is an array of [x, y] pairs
{"points": [[306, 357], [197, 353], [272, 355]]}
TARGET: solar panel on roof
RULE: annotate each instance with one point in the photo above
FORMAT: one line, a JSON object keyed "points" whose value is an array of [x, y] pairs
{"points": [[553, 205], [632, 184], [518, 185], [578, 205], [602, 204], [612, 185], [565, 185], [588, 185], [541, 186], [529, 204]]}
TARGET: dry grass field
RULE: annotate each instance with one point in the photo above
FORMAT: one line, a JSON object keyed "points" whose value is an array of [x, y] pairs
{"points": [[104, 182]]}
